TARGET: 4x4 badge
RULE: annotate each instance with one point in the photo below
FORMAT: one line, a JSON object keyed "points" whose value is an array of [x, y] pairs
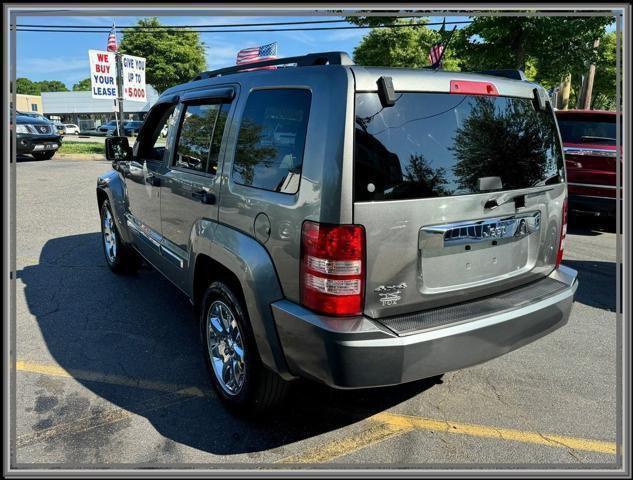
{"points": [[390, 294]]}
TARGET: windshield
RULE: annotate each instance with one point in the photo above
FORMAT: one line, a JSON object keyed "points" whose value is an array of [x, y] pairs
{"points": [[599, 131], [436, 144]]}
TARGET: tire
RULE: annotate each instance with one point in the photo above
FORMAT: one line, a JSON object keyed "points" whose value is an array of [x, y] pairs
{"points": [[43, 155], [254, 390], [121, 258]]}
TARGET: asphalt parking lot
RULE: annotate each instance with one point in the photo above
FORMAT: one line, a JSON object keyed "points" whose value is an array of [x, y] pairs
{"points": [[109, 370]]}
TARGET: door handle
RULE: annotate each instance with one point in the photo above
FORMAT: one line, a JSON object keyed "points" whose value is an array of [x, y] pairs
{"points": [[204, 196], [153, 180]]}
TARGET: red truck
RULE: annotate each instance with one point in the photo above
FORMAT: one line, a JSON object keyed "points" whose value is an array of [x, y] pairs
{"points": [[589, 141]]}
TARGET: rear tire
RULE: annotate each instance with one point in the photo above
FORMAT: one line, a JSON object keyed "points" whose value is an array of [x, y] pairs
{"points": [[121, 258], [43, 155], [239, 377]]}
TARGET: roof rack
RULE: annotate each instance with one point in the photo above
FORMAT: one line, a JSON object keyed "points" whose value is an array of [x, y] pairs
{"points": [[309, 60], [508, 73]]}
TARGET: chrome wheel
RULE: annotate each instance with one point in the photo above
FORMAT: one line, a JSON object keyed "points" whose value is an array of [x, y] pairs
{"points": [[226, 348], [109, 236]]}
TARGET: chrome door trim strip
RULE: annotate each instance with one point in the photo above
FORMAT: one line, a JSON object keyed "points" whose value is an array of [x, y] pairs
{"points": [[599, 152], [142, 233], [179, 261]]}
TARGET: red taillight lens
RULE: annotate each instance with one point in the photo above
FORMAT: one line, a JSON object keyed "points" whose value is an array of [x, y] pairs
{"points": [[563, 234], [468, 87], [333, 268]]}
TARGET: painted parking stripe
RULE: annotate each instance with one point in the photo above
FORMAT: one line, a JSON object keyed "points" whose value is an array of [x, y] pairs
{"points": [[383, 425], [388, 425], [90, 376], [376, 433]]}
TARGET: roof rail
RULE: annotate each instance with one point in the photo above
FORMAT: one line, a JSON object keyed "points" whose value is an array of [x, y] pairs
{"points": [[309, 60], [508, 73]]}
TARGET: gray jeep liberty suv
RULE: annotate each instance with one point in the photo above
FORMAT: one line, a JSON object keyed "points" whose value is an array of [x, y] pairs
{"points": [[357, 226]]}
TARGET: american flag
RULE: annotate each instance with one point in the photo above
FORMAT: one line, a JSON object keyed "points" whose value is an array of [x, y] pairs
{"points": [[435, 55], [258, 54], [112, 46]]}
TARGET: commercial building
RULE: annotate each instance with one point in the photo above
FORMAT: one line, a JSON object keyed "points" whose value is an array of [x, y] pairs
{"points": [[28, 103], [87, 112]]}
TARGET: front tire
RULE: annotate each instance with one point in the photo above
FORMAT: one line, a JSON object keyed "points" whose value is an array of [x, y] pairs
{"points": [[120, 258], [237, 373], [43, 155]]}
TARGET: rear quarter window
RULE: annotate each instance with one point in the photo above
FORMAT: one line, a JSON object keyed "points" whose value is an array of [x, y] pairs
{"points": [[271, 140]]}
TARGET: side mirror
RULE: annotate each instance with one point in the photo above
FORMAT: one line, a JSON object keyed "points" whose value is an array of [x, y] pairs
{"points": [[118, 149]]}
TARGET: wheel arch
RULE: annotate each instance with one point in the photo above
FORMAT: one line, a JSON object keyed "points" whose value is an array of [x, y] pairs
{"points": [[244, 264]]}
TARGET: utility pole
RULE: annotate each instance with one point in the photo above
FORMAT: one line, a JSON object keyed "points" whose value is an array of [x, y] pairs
{"points": [[119, 87], [587, 89]]}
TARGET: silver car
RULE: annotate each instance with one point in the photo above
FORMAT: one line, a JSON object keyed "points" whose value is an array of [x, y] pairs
{"points": [[354, 226]]}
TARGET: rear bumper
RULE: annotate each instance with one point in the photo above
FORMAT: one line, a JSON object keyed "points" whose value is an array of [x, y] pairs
{"points": [[359, 353]]}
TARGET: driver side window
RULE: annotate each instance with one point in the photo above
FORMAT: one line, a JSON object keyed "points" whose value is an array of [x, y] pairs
{"points": [[154, 134]]}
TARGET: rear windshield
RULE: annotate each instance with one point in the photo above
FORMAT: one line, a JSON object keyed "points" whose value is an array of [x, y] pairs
{"points": [[597, 131], [436, 144]]}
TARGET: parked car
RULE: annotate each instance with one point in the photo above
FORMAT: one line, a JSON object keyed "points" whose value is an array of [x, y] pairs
{"points": [[107, 129], [355, 226], [61, 128], [36, 136], [132, 127], [589, 140], [71, 129]]}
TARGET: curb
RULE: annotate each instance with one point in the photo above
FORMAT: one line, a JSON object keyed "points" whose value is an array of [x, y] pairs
{"points": [[79, 156]]}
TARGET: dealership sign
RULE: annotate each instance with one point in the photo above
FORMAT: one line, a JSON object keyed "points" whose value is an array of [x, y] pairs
{"points": [[103, 76]]}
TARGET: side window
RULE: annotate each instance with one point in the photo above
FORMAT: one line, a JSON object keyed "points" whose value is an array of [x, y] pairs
{"points": [[200, 137], [152, 137], [271, 140]]}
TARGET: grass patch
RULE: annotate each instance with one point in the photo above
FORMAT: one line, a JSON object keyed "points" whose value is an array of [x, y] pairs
{"points": [[81, 147]]}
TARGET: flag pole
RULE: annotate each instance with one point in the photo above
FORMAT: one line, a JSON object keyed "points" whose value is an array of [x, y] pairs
{"points": [[119, 84], [439, 61]]}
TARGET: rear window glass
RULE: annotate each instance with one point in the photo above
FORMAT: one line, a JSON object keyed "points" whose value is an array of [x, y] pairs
{"points": [[434, 144], [596, 131], [270, 144]]}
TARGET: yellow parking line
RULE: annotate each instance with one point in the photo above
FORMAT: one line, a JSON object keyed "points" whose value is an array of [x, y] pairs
{"points": [[551, 440], [330, 450], [382, 425], [56, 371]]}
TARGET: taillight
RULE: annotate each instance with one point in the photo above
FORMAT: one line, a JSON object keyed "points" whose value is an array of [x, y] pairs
{"points": [[333, 268], [563, 234], [468, 87]]}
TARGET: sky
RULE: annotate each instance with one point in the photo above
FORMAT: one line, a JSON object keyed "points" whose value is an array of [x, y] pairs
{"points": [[64, 56]]}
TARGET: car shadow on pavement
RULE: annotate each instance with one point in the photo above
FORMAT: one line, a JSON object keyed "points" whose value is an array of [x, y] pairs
{"points": [[596, 283], [142, 327]]}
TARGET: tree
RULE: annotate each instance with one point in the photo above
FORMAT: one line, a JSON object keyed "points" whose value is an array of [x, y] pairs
{"points": [[402, 46], [25, 86], [28, 87], [52, 86], [82, 85], [603, 97], [173, 55]]}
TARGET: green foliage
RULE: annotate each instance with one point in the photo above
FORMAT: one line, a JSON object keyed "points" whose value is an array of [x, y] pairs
{"points": [[28, 87], [82, 85], [173, 56], [402, 47], [25, 86], [604, 86]]}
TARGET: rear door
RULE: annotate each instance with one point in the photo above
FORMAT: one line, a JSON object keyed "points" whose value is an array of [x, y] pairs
{"points": [[460, 196]]}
